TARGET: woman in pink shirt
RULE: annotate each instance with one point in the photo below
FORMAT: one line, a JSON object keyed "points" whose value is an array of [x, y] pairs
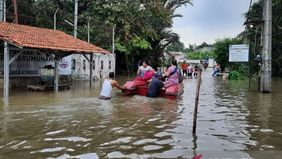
{"points": [[172, 75]]}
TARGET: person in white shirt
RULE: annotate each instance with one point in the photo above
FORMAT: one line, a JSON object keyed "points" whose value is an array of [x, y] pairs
{"points": [[190, 71], [109, 83], [142, 69]]}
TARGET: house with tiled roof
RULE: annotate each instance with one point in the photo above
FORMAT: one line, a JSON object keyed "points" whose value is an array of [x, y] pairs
{"points": [[31, 48]]}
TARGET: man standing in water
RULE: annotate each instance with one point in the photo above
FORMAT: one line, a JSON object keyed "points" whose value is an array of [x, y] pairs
{"points": [[184, 68], [108, 84]]}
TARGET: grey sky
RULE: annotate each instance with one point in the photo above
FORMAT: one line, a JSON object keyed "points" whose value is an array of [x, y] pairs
{"points": [[208, 20]]}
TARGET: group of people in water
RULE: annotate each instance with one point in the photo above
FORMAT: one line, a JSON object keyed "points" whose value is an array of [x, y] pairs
{"points": [[158, 79], [191, 71]]}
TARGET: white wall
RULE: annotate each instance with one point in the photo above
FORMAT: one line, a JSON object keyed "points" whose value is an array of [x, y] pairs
{"points": [[83, 73], [211, 62], [100, 72], [193, 61]]}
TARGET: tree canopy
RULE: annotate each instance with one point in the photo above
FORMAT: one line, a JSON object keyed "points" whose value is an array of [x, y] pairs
{"points": [[252, 33], [142, 28], [176, 46]]}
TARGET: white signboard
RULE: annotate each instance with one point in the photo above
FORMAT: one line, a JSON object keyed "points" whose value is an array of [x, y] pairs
{"points": [[30, 63], [65, 66], [27, 64], [239, 53]]}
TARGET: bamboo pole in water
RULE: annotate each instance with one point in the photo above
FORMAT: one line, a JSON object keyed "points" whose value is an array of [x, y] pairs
{"points": [[197, 101]]}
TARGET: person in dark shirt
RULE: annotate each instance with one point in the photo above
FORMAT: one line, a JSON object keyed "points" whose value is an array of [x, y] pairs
{"points": [[155, 88]]}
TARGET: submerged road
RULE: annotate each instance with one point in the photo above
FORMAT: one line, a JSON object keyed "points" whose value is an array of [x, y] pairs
{"points": [[232, 122]]}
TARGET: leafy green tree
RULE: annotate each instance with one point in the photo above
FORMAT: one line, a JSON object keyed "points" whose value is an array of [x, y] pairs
{"points": [[200, 55], [142, 27], [163, 12], [222, 55], [204, 44], [253, 35], [175, 46]]}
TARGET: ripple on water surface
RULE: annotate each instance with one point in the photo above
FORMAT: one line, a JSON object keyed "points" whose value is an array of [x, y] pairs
{"points": [[76, 124]]}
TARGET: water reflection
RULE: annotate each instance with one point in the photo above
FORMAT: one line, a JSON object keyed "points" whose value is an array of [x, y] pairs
{"points": [[76, 124], [5, 117]]}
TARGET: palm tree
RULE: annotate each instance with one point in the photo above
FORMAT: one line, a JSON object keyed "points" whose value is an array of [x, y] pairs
{"points": [[166, 36]]}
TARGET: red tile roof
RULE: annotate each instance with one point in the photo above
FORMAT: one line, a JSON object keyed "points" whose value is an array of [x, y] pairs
{"points": [[40, 38]]}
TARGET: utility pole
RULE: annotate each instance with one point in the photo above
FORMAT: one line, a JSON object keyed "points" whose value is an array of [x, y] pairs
{"points": [[6, 58], [1, 10], [113, 39], [75, 57], [55, 19], [91, 55], [16, 11], [75, 18], [88, 30], [4, 10], [113, 47], [266, 51]]}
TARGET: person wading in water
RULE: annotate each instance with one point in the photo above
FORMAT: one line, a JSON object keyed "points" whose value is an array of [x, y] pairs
{"points": [[108, 84]]}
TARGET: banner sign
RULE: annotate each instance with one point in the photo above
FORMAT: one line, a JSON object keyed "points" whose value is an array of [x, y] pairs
{"points": [[65, 65], [29, 63], [239, 53]]}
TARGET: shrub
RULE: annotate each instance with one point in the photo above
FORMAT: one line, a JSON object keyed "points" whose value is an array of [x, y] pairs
{"points": [[235, 75]]}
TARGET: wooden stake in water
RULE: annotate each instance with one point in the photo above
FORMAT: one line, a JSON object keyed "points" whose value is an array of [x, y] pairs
{"points": [[197, 102]]}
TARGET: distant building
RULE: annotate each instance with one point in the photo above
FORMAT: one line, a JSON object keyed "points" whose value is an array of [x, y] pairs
{"points": [[179, 56], [211, 62], [193, 62], [205, 49]]}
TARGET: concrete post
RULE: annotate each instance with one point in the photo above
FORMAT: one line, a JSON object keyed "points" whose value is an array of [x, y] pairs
{"points": [[56, 75], [88, 31], [55, 19], [91, 55], [16, 11], [1, 10], [113, 48], [75, 56], [6, 71], [4, 10], [266, 52], [91, 70], [6, 56], [75, 18], [97, 66]]}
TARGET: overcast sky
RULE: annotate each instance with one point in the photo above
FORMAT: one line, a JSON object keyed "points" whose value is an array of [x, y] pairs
{"points": [[208, 20]]}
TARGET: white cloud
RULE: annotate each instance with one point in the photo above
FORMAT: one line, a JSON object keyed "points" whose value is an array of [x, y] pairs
{"points": [[208, 20], [192, 35]]}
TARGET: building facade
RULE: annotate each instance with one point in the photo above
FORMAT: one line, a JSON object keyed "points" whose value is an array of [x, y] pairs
{"points": [[179, 56], [26, 69], [103, 64]]}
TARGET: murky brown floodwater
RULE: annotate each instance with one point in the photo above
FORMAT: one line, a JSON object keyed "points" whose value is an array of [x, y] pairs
{"points": [[75, 124]]}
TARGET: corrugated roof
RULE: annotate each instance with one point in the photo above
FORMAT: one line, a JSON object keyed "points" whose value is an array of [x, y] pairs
{"points": [[41, 38]]}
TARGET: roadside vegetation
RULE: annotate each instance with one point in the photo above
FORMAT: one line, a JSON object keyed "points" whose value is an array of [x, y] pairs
{"points": [[142, 28], [252, 35]]}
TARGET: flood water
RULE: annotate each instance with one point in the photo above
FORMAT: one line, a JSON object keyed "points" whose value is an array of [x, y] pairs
{"points": [[232, 122]]}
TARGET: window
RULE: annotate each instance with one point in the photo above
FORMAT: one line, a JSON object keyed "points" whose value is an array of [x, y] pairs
{"points": [[84, 64], [73, 64], [93, 64], [102, 65], [110, 65]]}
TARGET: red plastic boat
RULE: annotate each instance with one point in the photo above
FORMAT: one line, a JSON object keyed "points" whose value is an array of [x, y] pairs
{"points": [[139, 87]]}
